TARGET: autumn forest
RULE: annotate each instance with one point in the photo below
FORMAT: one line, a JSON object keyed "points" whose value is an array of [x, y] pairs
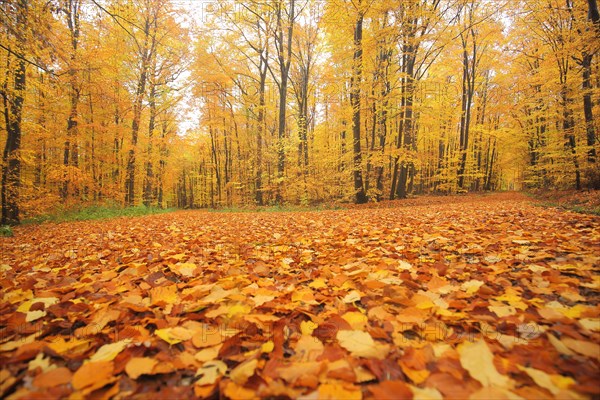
{"points": [[195, 104], [300, 199]]}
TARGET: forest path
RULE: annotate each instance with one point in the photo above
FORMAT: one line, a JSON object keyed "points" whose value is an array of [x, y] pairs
{"points": [[438, 296]]}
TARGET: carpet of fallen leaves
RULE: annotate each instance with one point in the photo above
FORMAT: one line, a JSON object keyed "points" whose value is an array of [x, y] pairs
{"points": [[450, 297]]}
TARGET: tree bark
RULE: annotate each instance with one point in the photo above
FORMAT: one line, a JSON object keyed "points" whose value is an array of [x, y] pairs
{"points": [[359, 189], [137, 113], [13, 107]]}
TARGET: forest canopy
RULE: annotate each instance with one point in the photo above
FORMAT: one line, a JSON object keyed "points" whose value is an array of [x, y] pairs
{"points": [[256, 102]]}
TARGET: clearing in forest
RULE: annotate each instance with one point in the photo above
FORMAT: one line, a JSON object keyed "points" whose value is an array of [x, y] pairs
{"points": [[449, 297]]}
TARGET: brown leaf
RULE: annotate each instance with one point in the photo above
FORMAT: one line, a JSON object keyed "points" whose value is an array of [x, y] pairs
{"points": [[388, 390]]}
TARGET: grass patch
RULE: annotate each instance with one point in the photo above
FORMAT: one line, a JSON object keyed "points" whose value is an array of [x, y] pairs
{"points": [[94, 213], [570, 207], [582, 202], [6, 231]]}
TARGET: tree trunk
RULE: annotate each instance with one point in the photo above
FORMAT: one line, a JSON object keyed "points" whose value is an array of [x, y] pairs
{"points": [[468, 87], [355, 82], [13, 107], [284, 56], [137, 115], [594, 174]]}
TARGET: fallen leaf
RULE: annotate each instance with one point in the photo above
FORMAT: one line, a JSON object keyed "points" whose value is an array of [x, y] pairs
{"points": [[361, 344], [477, 358], [138, 366], [337, 391], [588, 349], [391, 390], [541, 379], [52, 378], [93, 374], [174, 335], [298, 370], [352, 297], [210, 372], [243, 372], [108, 352]]}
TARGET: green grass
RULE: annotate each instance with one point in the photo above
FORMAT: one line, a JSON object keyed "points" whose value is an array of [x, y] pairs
{"points": [[94, 213], [5, 231], [567, 207]]}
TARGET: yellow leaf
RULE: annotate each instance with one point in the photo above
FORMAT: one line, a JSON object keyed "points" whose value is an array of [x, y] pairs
{"points": [[471, 286], [514, 299], [184, 269], [48, 301], [318, 283], [261, 299], [559, 346], [174, 335], [69, 348], [210, 372], [243, 372], [164, 295], [308, 327], [541, 379], [237, 309], [208, 354], [357, 320], [304, 296], [477, 358], [352, 297], [426, 393], [267, 347], [108, 352], [591, 324], [18, 295], [34, 315], [361, 344], [502, 311], [588, 349], [40, 361], [562, 382]]}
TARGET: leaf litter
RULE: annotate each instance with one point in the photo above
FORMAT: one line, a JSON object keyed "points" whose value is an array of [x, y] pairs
{"points": [[475, 297]]}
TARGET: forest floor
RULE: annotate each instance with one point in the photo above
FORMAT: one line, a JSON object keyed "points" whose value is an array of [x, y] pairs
{"points": [[587, 201], [440, 297]]}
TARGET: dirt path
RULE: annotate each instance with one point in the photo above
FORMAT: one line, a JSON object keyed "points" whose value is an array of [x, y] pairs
{"points": [[484, 296]]}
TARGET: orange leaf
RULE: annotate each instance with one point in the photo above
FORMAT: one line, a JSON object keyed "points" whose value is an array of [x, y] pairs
{"points": [[52, 378], [94, 374]]}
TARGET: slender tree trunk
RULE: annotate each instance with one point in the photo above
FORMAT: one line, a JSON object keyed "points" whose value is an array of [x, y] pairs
{"points": [[588, 106], [261, 130], [569, 134], [284, 56], [468, 87], [13, 107], [70, 151], [137, 115], [149, 180], [355, 82], [11, 161]]}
